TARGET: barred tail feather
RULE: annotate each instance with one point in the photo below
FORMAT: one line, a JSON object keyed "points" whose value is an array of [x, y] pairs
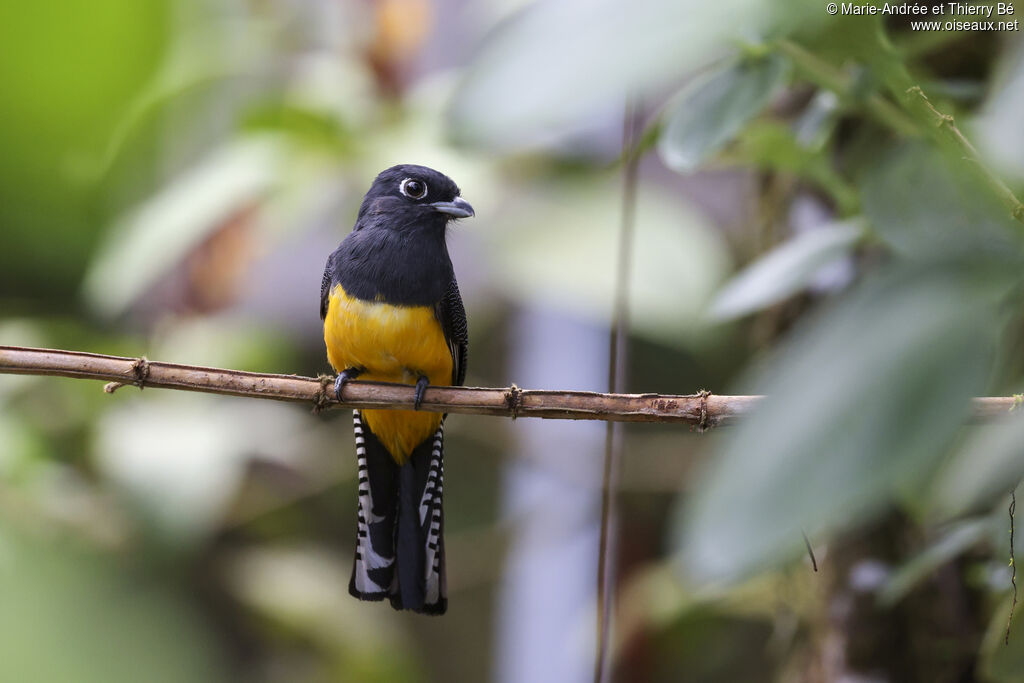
{"points": [[432, 519], [400, 542], [373, 573]]}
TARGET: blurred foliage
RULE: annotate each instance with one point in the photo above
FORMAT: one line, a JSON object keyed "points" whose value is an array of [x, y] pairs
{"points": [[66, 83], [174, 175], [785, 270], [710, 114], [874, 410], [107, 621]]}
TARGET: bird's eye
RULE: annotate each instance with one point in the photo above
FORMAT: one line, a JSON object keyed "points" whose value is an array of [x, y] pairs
{"points": [[413, 189]]}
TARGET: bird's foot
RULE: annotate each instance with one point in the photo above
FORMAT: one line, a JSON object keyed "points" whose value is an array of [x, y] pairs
{"points": [[343, 377], [421, 388]]}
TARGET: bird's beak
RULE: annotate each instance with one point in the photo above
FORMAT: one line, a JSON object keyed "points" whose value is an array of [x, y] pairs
{"points": [[457, 208]]}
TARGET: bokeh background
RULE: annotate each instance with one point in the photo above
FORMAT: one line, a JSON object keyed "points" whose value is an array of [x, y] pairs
{"points": [[809, 224]]}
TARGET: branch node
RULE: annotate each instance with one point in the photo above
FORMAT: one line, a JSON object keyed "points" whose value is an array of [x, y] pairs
{"points": [[514, 400], [703, 424], [140, 369], [321, 400]]}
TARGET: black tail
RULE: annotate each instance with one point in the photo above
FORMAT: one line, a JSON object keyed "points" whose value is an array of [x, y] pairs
{"points": [[400, 542]]}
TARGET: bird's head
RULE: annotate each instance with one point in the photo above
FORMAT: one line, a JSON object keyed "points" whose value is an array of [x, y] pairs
{"points": [[408, 195]]}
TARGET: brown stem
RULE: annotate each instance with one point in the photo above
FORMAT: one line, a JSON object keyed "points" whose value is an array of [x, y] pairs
{"points": [[506, 402]]}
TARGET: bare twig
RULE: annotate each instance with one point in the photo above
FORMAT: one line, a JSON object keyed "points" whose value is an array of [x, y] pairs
{"points": [[810, 552], [504, 402], [1013, 567], [632, 125]]}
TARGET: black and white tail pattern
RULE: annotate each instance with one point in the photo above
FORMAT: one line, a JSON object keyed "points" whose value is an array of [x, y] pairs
{"points": [[400, 531], [373, 576], [432, 519]]}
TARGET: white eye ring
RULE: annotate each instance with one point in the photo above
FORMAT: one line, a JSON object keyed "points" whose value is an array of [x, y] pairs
{"points": [[417, 185]]}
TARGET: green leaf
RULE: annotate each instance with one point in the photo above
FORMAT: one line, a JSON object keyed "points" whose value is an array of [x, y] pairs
{"points": [[860, 40], [817, 122], [929, 206], [952, 543], [558, 64], [710, 113], [785, 270], [861, 403], [984, 469]]}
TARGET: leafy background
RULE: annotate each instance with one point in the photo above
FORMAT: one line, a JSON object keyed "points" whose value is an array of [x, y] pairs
{"points": [[808, 226]]}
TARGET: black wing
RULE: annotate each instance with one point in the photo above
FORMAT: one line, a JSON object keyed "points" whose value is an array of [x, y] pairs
{"points": [[325, 286], [450, 312]]}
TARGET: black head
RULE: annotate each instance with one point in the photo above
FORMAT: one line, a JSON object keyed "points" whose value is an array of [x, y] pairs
{"points": [[411, 194]]}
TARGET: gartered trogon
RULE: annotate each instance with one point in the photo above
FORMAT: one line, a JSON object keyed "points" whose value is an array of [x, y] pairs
{"points": [[392, 312]]}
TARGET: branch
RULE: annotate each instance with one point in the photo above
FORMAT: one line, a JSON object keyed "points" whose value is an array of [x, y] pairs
{"points": [[700, 410], [947, 124]]}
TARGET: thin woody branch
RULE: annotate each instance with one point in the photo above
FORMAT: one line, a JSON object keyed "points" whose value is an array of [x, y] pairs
{"points": [[947, 124], [700, 410]]}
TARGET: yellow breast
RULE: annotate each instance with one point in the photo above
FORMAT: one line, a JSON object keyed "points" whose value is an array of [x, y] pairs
{"points": [[392, 344]]}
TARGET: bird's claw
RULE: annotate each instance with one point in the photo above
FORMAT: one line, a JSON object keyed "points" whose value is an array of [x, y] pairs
{"points": [[421, 388], [342, 379]]}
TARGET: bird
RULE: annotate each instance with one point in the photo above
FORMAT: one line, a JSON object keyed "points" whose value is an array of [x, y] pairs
{"points": [[392, 312]]}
